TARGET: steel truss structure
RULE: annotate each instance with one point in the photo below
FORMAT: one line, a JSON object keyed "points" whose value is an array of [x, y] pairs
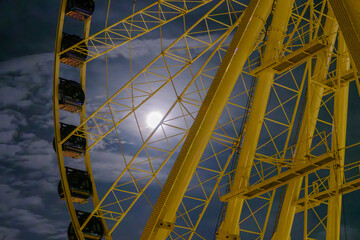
{"points": [[255, 126]]}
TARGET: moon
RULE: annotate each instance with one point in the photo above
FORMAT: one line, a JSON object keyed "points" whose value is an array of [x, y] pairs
{"points": [[153, 119]]}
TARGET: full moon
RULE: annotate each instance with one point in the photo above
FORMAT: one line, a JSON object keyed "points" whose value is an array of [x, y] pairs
{"points": [[153, 119]]}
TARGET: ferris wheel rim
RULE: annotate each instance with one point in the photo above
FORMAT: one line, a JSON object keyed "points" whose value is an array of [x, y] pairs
{"points": [[57, 133]]}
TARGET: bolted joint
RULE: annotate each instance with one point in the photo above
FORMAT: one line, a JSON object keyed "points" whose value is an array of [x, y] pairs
{"points": [[221, 235], [337, 166], [260, 18], [166, 225]]}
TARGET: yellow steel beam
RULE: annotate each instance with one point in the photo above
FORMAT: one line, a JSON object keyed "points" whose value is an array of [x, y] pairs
{"points": [[344, 79], [163, 215], [313, 103], [229, 228], [206, 202], [347, 13], [119, 214], [301, 55], [147, 19], [338, 142], [322, 196], [261, 225], [102, 130], [311, 165]]}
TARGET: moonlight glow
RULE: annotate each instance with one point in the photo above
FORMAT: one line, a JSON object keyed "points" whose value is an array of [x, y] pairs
{"points": [[153, 119]]}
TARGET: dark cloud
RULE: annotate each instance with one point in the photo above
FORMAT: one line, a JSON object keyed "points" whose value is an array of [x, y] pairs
{"points": [[29, 207], [9, 233], [32, 209], [29, 169]]}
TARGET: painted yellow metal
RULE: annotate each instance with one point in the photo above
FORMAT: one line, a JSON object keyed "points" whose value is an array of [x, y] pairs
{"points": [[348, 17], [317, 197], [338, 144], [58, 146], [87, 161], [333, 83], [313, 103], [281, 179], [299, 43], [229, 227], [280, 65], [103, 115], [163, 215], [60, 157], [136, 25], [119, 214]]}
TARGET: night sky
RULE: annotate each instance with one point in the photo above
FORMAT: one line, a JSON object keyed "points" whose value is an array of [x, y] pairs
{"points": [[30, 207]]}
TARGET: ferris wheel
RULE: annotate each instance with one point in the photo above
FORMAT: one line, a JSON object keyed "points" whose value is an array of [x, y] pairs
{"points": [[238, 118]]}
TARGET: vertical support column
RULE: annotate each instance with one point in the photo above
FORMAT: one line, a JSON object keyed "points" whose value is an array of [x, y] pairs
{"points": [[307, 129], [347, 13], [163, 216], [229, 228], [338, 142]]}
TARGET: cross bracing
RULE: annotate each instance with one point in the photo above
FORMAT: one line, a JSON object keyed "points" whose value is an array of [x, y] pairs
{"points": [[305, 61]]}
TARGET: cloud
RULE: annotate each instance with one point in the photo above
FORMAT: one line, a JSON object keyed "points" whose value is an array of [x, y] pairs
{"points": [[15, 198], [37, 145], [29, 206], [7, 136], [110, 166], [21, 66], [10, 119], [27, 162], [11, 95], [33, 222], [47, 185], [152, 47], [59, 236], [8, 233], [10, 194], [9, 151], [139, 48]]}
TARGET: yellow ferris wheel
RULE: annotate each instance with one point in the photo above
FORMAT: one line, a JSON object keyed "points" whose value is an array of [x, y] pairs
{"points": [[240, 118]]}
